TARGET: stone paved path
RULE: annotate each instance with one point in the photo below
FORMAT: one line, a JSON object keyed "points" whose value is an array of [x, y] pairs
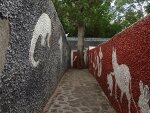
{"points": [[78, 92]]}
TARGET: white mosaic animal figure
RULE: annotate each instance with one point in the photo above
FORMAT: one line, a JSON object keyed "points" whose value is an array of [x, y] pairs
{"points": [[93, 63], [61, 48], [43, 29], [144, 98], [110, 83], [99, 63], [74, 58], [123, 79], [85, 56]]}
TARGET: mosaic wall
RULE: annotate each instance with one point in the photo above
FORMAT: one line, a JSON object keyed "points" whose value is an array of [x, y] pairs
{"points": [[122, 68], [35, 54]]}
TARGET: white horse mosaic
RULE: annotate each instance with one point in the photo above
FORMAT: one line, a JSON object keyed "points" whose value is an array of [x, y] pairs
{"points": [[123, 79], [43, 29], [144, 98]]}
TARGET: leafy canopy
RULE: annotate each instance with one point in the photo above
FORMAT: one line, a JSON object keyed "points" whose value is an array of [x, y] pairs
{"points": [[100, 18], [94, 14]]}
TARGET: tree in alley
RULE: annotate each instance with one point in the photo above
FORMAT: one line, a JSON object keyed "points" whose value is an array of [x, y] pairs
{"points": [[81, 14]]}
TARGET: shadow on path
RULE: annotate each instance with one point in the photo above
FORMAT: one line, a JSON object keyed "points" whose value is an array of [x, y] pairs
{"points": [[78, 92]]}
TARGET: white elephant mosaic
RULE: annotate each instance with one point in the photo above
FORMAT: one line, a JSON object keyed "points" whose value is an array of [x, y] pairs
{"points": [[43, 29]]}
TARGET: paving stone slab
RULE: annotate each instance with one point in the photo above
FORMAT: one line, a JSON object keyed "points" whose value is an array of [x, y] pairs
{"points": [[79, 92]]}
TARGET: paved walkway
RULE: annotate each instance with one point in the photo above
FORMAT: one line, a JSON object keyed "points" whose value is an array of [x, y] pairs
{"points": [[78, 92]]}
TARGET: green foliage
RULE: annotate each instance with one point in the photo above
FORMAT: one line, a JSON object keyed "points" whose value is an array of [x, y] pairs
{"points": [[148, 8], [99, 17], [94, 14], [129, 11]]}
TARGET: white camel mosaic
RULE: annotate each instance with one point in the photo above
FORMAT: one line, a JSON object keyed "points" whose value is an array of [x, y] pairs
{"points": [[43, 29], [122, 77]]}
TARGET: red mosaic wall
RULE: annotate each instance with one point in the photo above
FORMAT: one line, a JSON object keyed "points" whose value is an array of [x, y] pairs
{"points": [[133, 65]]}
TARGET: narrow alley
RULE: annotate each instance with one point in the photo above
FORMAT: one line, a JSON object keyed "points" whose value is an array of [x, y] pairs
{"points": [[78, 92]]}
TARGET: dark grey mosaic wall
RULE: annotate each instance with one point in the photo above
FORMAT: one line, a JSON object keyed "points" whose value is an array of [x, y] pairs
{"points": [[36, 57]]}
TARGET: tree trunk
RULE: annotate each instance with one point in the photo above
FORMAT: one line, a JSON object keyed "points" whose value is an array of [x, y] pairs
{"points": [[80, 45]]}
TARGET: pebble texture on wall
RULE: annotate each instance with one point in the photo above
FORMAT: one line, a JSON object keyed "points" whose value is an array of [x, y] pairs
{"points": [[37, 54], [4, 38], [125, 68]]}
